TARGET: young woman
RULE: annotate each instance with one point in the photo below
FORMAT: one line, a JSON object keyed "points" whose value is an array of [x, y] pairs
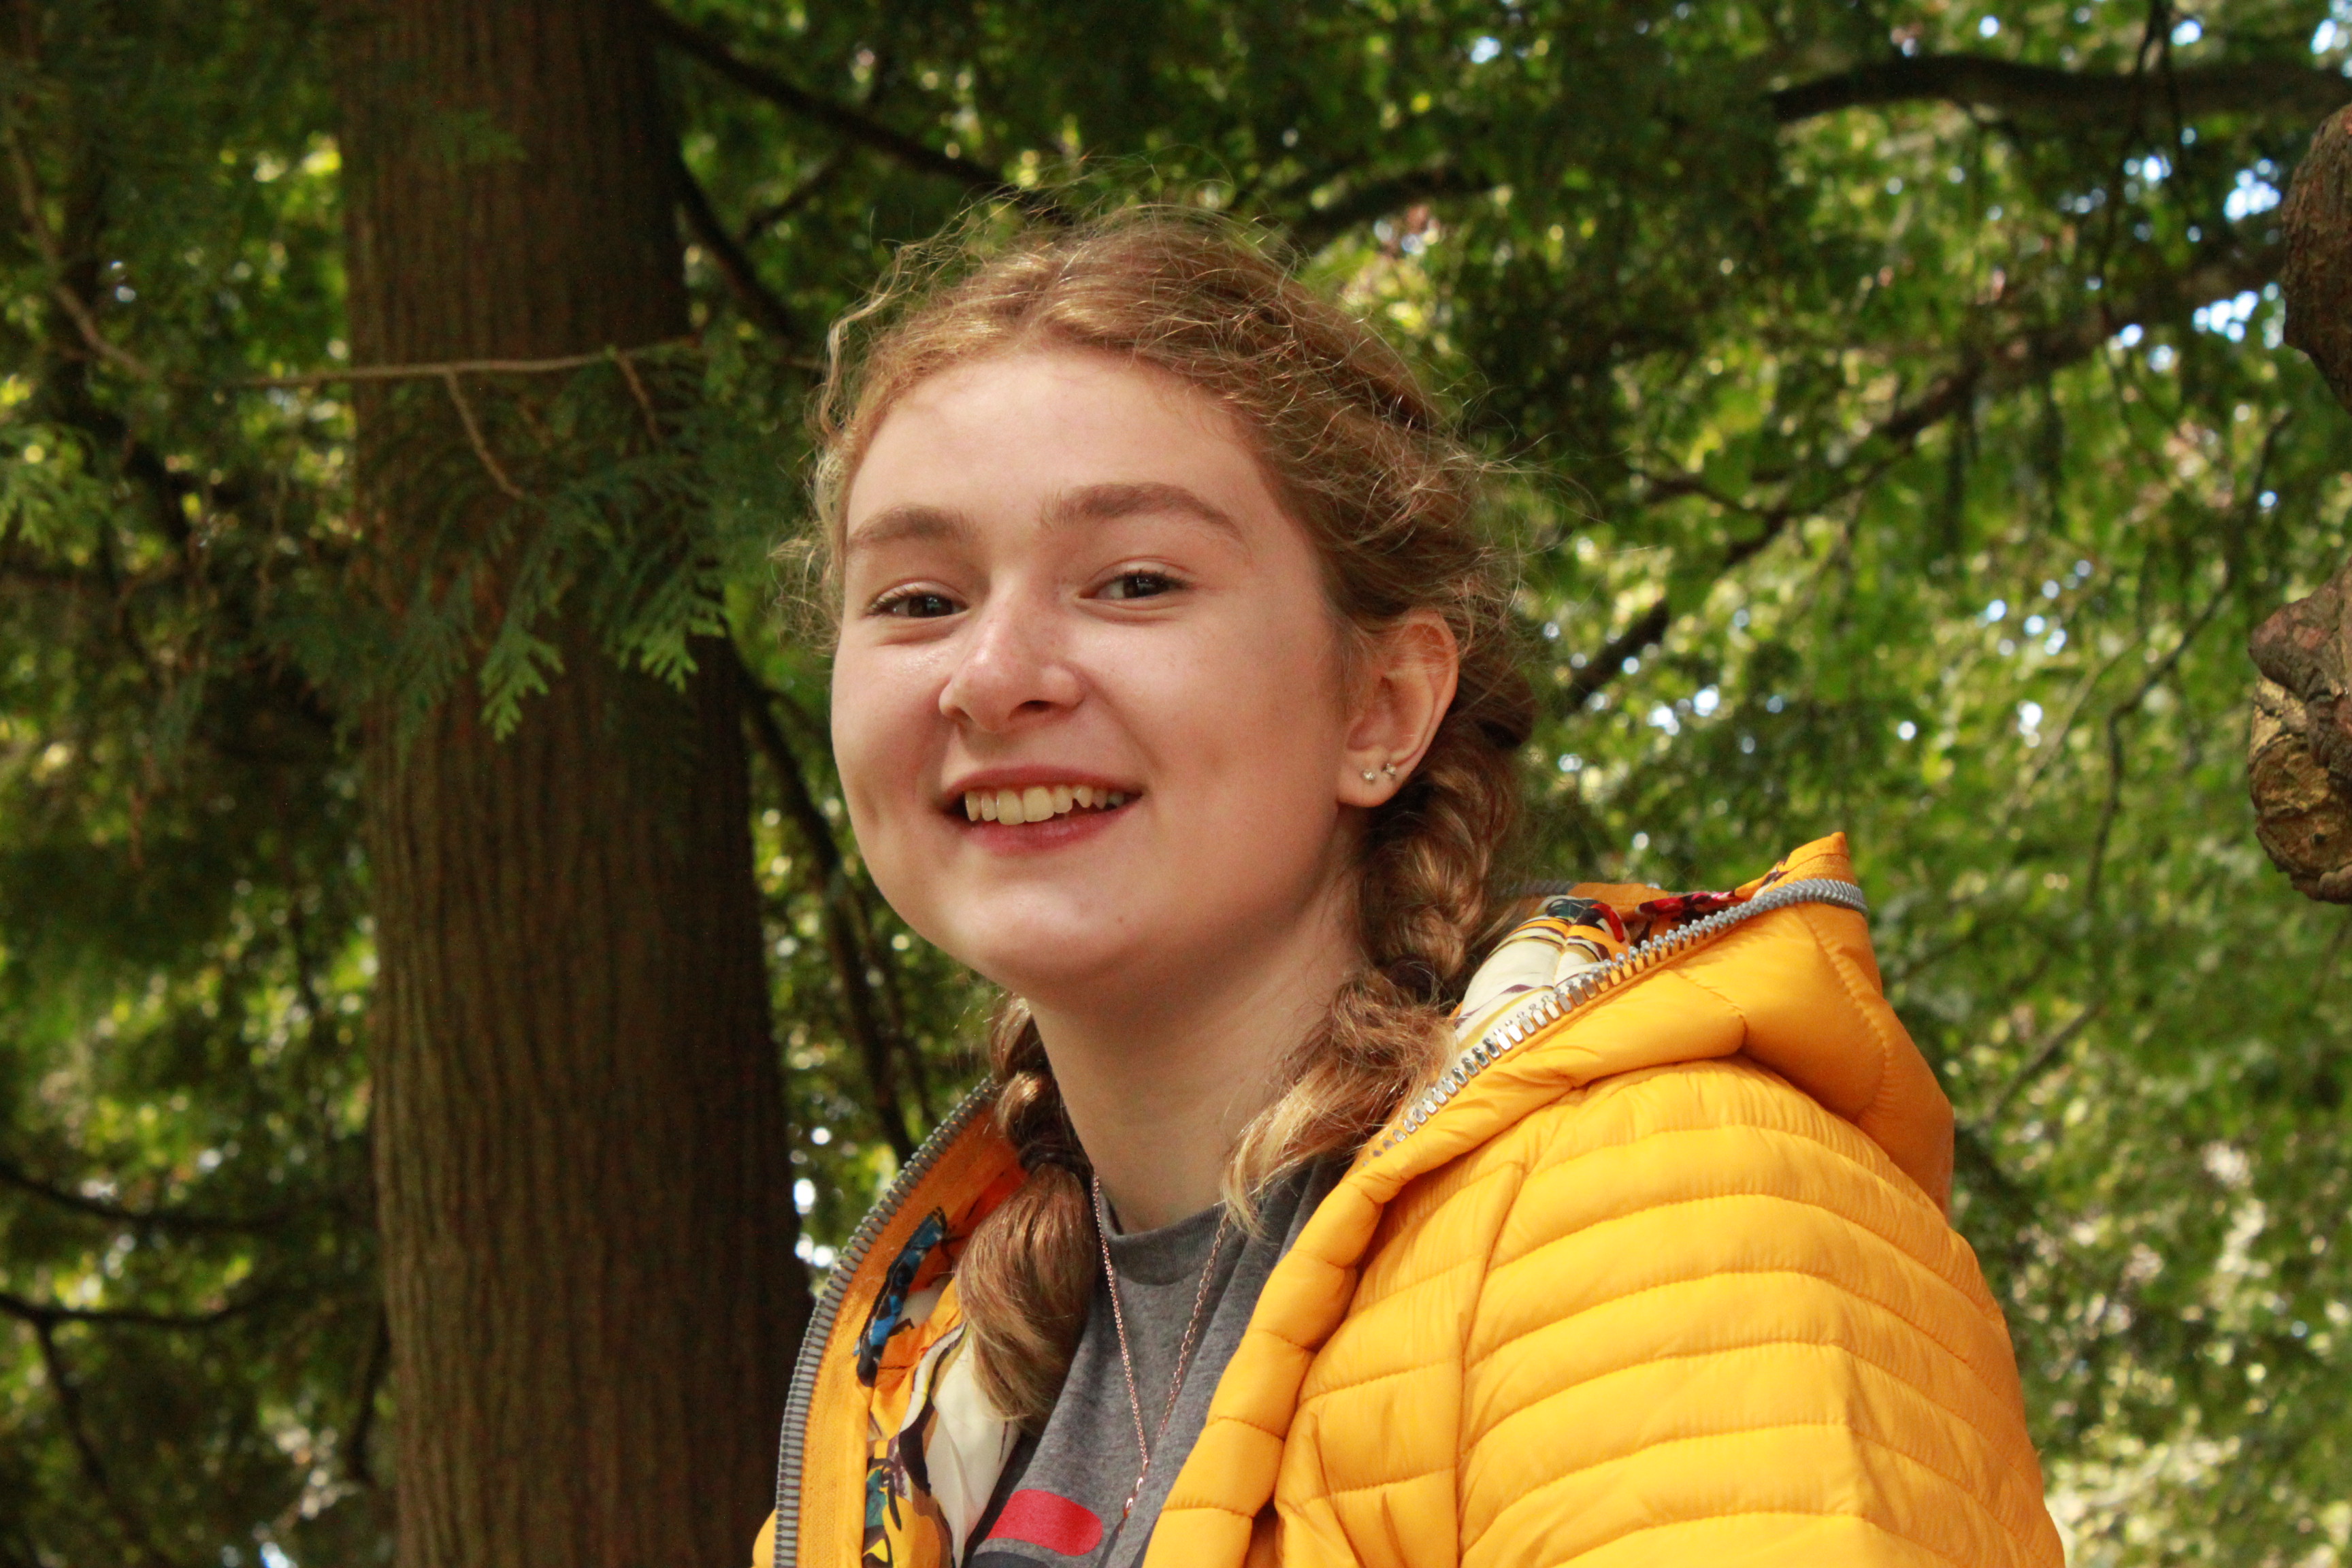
{"points": [[1174, 694]]}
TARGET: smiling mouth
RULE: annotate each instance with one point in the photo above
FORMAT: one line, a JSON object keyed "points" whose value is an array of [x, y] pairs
{"points": [[1039, 803]]}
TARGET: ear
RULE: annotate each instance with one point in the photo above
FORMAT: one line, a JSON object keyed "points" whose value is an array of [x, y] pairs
{"points": [[1400, 697]]}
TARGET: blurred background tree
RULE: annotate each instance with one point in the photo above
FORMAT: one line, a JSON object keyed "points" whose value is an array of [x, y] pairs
{"points": [[1901, 443]]}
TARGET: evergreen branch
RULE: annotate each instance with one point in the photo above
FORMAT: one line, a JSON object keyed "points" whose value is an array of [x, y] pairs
{"points": [[16, 1176], [839, 118], [2272, 89], [166, 490], [759, 301]]}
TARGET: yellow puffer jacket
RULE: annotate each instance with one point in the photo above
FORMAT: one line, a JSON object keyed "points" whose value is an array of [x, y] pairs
{"points": [[1658, 1275]]}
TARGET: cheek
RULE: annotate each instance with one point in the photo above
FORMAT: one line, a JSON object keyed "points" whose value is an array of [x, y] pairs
{"points": [[878, 736], [1261, 711]]}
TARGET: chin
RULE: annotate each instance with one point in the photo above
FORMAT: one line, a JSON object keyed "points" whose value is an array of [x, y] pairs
{"points": [[1045, 960]]}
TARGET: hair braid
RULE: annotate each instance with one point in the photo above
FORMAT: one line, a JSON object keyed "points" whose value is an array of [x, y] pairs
{"points": [[1027, 1273]]}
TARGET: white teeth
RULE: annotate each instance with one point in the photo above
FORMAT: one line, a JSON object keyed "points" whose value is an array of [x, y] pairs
{"points": [[1036, 802]]}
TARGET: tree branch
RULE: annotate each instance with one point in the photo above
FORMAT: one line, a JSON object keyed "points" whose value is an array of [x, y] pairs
{"points": [[767, 218], [93, 1464], [15, 1175], [840, 118], [2032, 355], [2095, 873], [444, 369], [31, 568], [48, 1313], [1377, 198], [371, 1375], [1601, 668], [1650, 626], [2021, 361], [758, 301], [2278, 89], [2040, 1062], [44, 240], [828, 880], [2273, 89]]}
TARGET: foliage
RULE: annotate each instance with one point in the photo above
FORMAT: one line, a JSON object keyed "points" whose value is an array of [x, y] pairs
{"points": [[1915, 468]]}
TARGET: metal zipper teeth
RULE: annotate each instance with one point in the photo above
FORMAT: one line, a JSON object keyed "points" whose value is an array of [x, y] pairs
{"points": [[818, 1336], [1555, 1002]]}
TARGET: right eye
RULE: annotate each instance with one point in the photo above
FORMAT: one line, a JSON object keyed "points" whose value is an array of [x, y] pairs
{"points": [[914, 605]]}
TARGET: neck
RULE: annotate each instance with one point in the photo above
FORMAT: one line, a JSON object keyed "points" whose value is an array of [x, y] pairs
{"points": [[1159, 1080]]}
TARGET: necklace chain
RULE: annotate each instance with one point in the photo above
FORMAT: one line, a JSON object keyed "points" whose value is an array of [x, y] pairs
{"points": [[1127, 1357]]}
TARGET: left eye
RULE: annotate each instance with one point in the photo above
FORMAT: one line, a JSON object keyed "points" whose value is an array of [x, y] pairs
{"points": [[1139, 585]]}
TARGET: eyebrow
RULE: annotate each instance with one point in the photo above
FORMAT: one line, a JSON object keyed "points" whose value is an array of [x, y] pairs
{"points": [[1106, 503], [892, 525], [1088, 503]]}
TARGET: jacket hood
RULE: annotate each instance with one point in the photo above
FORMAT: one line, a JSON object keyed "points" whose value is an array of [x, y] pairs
{"points": [[1611, 978]]}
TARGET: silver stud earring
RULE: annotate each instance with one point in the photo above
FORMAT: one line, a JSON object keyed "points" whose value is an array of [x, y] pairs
{"points": [[1369, 775], [1389, 768]]}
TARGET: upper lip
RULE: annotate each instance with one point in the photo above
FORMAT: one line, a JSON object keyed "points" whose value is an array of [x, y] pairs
{"points": [[1028, 774]]}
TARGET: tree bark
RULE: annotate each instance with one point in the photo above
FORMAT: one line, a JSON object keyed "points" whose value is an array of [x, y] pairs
{"points": [[582, 1168], [2300, 750]]}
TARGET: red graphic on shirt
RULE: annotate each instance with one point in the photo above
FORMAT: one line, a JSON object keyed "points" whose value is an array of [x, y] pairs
{"points": [[1055, 1523]]}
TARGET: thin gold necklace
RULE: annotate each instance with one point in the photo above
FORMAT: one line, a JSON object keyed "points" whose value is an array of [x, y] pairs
{"points": [[1127, 1357]]}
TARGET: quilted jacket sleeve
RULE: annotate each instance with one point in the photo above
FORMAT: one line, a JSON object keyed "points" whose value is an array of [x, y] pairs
{"points": [[1718, 1326]]}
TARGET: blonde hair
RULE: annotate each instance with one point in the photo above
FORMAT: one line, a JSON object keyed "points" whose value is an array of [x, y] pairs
{"points": [[1364, 459]]}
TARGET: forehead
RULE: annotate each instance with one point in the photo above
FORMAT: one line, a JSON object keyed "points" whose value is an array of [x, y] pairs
{"points": [[1003, 432]]}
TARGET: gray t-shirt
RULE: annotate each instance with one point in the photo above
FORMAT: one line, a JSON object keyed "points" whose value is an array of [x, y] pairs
{"points": [[1058, 1501]]}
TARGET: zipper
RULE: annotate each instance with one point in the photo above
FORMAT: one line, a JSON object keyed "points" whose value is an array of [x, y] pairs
{"points": [[1555, 1002], [817, 1338]]}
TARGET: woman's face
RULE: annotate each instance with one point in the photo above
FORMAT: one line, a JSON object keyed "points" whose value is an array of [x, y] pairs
{"points": [[1088, 702]]}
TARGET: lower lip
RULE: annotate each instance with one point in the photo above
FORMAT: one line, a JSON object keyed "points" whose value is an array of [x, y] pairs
{"points": [[1054, 832]]}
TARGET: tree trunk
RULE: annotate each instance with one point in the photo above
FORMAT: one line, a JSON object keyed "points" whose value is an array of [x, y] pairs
{"points": [[582, 1169]]}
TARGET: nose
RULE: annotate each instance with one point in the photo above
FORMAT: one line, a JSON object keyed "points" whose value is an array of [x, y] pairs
{"points": [[1013, 668]]}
